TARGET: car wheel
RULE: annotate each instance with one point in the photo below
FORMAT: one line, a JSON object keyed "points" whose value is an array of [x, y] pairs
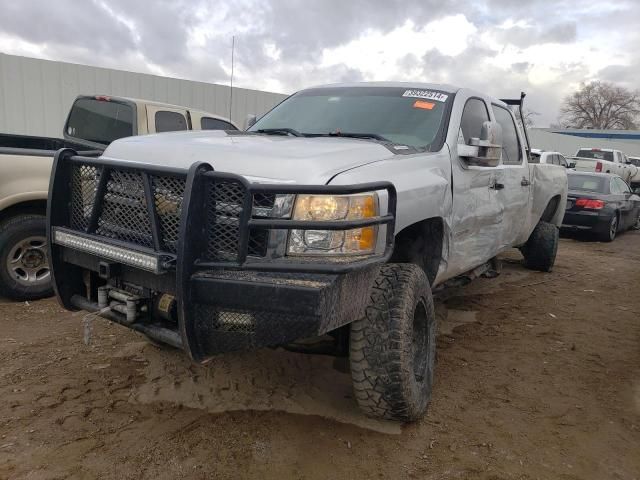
{"points": [[540, 250], [610, 233], [392, 348], [24, 266]]}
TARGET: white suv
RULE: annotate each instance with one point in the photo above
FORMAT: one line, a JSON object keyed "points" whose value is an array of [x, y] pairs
{"points": [[553, 158]]}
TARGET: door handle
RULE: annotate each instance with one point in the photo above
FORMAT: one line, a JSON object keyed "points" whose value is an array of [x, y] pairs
{"points": [[525, 182], [497, 186]]}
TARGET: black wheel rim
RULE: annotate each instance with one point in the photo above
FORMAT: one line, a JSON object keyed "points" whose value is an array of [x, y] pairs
{"points": [[613, 228], [420, 342]]}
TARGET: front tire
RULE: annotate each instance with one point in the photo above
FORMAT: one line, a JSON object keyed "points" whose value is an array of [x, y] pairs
{"points": [[392, 348], [540, 250], [24, 267]]}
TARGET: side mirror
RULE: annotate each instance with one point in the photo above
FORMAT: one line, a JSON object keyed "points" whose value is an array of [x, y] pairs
{"points": [[486, 150], [250, 121]]}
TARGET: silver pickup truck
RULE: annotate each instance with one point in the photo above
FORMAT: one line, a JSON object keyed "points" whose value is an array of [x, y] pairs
{"points": [[335, 214]]}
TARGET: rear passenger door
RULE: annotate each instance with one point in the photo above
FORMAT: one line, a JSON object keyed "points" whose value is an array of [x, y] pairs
{"points": [[165, 119], [514, 197]]}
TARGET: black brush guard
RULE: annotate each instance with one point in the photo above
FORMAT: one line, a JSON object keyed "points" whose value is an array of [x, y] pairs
{"points": [[228, 296]]}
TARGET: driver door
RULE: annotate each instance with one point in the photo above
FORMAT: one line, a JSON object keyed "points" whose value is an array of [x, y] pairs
{"points": [[476, 221]]}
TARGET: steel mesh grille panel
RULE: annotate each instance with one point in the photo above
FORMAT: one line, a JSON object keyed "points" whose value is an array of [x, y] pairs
{"points": [[125, 215], [124, 211], [224, 209], [84, 182], [168, 193], [227, 330]]}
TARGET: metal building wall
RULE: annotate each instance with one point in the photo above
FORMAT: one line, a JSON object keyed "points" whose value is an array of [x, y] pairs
{"points": [[35, 95], [568, 145]]}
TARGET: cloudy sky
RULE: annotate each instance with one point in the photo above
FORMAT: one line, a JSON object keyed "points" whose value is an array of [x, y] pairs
{"points": [[545, 47]]}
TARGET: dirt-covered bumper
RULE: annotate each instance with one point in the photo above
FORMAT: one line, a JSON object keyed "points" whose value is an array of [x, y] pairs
{"points": [[188, 257]]}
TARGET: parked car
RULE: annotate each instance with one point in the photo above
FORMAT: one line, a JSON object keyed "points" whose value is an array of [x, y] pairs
{"points": [[551, 158], [604, 160], [600, 203], [25, 167], [337, 212]]}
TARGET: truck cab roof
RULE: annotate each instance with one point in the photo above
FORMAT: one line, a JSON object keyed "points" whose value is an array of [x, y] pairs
{"points": [[442, 87]]}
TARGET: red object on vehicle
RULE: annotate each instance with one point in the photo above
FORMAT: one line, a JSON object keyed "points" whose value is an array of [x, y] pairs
{"points": [[103, 98], [598, 166], [590, 204]]}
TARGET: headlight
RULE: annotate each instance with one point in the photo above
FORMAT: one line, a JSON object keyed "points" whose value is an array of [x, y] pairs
{"points": [[321, 208]]}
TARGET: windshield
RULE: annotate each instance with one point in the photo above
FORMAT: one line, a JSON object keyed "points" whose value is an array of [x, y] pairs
{"points": [[535, 157], [404, 116], [596, 154], [588, 183], [100, 121]]}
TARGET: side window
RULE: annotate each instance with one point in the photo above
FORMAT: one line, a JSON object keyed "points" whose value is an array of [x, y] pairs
{"points": [[474, 115], [618, 157], [511, 152], [562, 161], [554, 159], [208, 123], [167, 121], [615, 186], [622, 186]]}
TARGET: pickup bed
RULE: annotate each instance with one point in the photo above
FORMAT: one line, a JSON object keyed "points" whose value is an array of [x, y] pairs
{"points": [[635, 179], [335, 215], [25, 169]]}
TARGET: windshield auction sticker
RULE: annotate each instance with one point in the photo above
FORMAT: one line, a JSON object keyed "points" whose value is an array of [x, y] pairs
{"points": [[426, 94]]}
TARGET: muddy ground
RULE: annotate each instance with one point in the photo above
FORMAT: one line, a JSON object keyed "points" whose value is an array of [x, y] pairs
{"points": [[538, 376]]}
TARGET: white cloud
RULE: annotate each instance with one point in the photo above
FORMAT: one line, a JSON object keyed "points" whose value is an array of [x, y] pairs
{"points": [[376, 54]]}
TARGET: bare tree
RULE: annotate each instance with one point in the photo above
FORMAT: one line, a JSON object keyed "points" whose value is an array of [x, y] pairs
{"points": [[527, 115], [601, 105]]}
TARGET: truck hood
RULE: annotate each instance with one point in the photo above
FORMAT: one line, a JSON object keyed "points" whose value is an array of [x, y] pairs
{"points": [[266, 158]]}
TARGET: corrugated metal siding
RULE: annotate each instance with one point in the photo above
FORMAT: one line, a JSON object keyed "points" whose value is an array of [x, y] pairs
{"points": [[568, 145], [35, 95]]}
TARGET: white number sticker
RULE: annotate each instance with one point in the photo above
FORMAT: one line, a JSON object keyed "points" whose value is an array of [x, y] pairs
{"points": [[427, 94]]}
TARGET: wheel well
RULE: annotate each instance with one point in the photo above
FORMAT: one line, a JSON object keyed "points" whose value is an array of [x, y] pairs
{"points": [[551, 209], [32, 206], [421, 244]]}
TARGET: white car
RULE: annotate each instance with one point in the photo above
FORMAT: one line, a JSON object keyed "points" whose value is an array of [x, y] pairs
{"points": [[551, 158]]}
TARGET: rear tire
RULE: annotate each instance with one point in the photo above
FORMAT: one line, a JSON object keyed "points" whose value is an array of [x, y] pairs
{"points": [[24, 267], [540, 250], [609, 235], [392, 348]]}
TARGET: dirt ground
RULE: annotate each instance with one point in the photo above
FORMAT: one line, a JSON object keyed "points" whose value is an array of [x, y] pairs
{"points": [[538, 376]]}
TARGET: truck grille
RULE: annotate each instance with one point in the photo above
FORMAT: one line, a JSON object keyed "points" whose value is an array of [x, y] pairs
{"points": [[125, 215]]}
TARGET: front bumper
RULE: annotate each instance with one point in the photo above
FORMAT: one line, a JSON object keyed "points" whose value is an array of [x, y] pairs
{"points": [[226, 299]]}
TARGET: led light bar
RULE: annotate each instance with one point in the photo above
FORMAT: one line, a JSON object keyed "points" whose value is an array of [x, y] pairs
{"points": [[118, 254]]}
